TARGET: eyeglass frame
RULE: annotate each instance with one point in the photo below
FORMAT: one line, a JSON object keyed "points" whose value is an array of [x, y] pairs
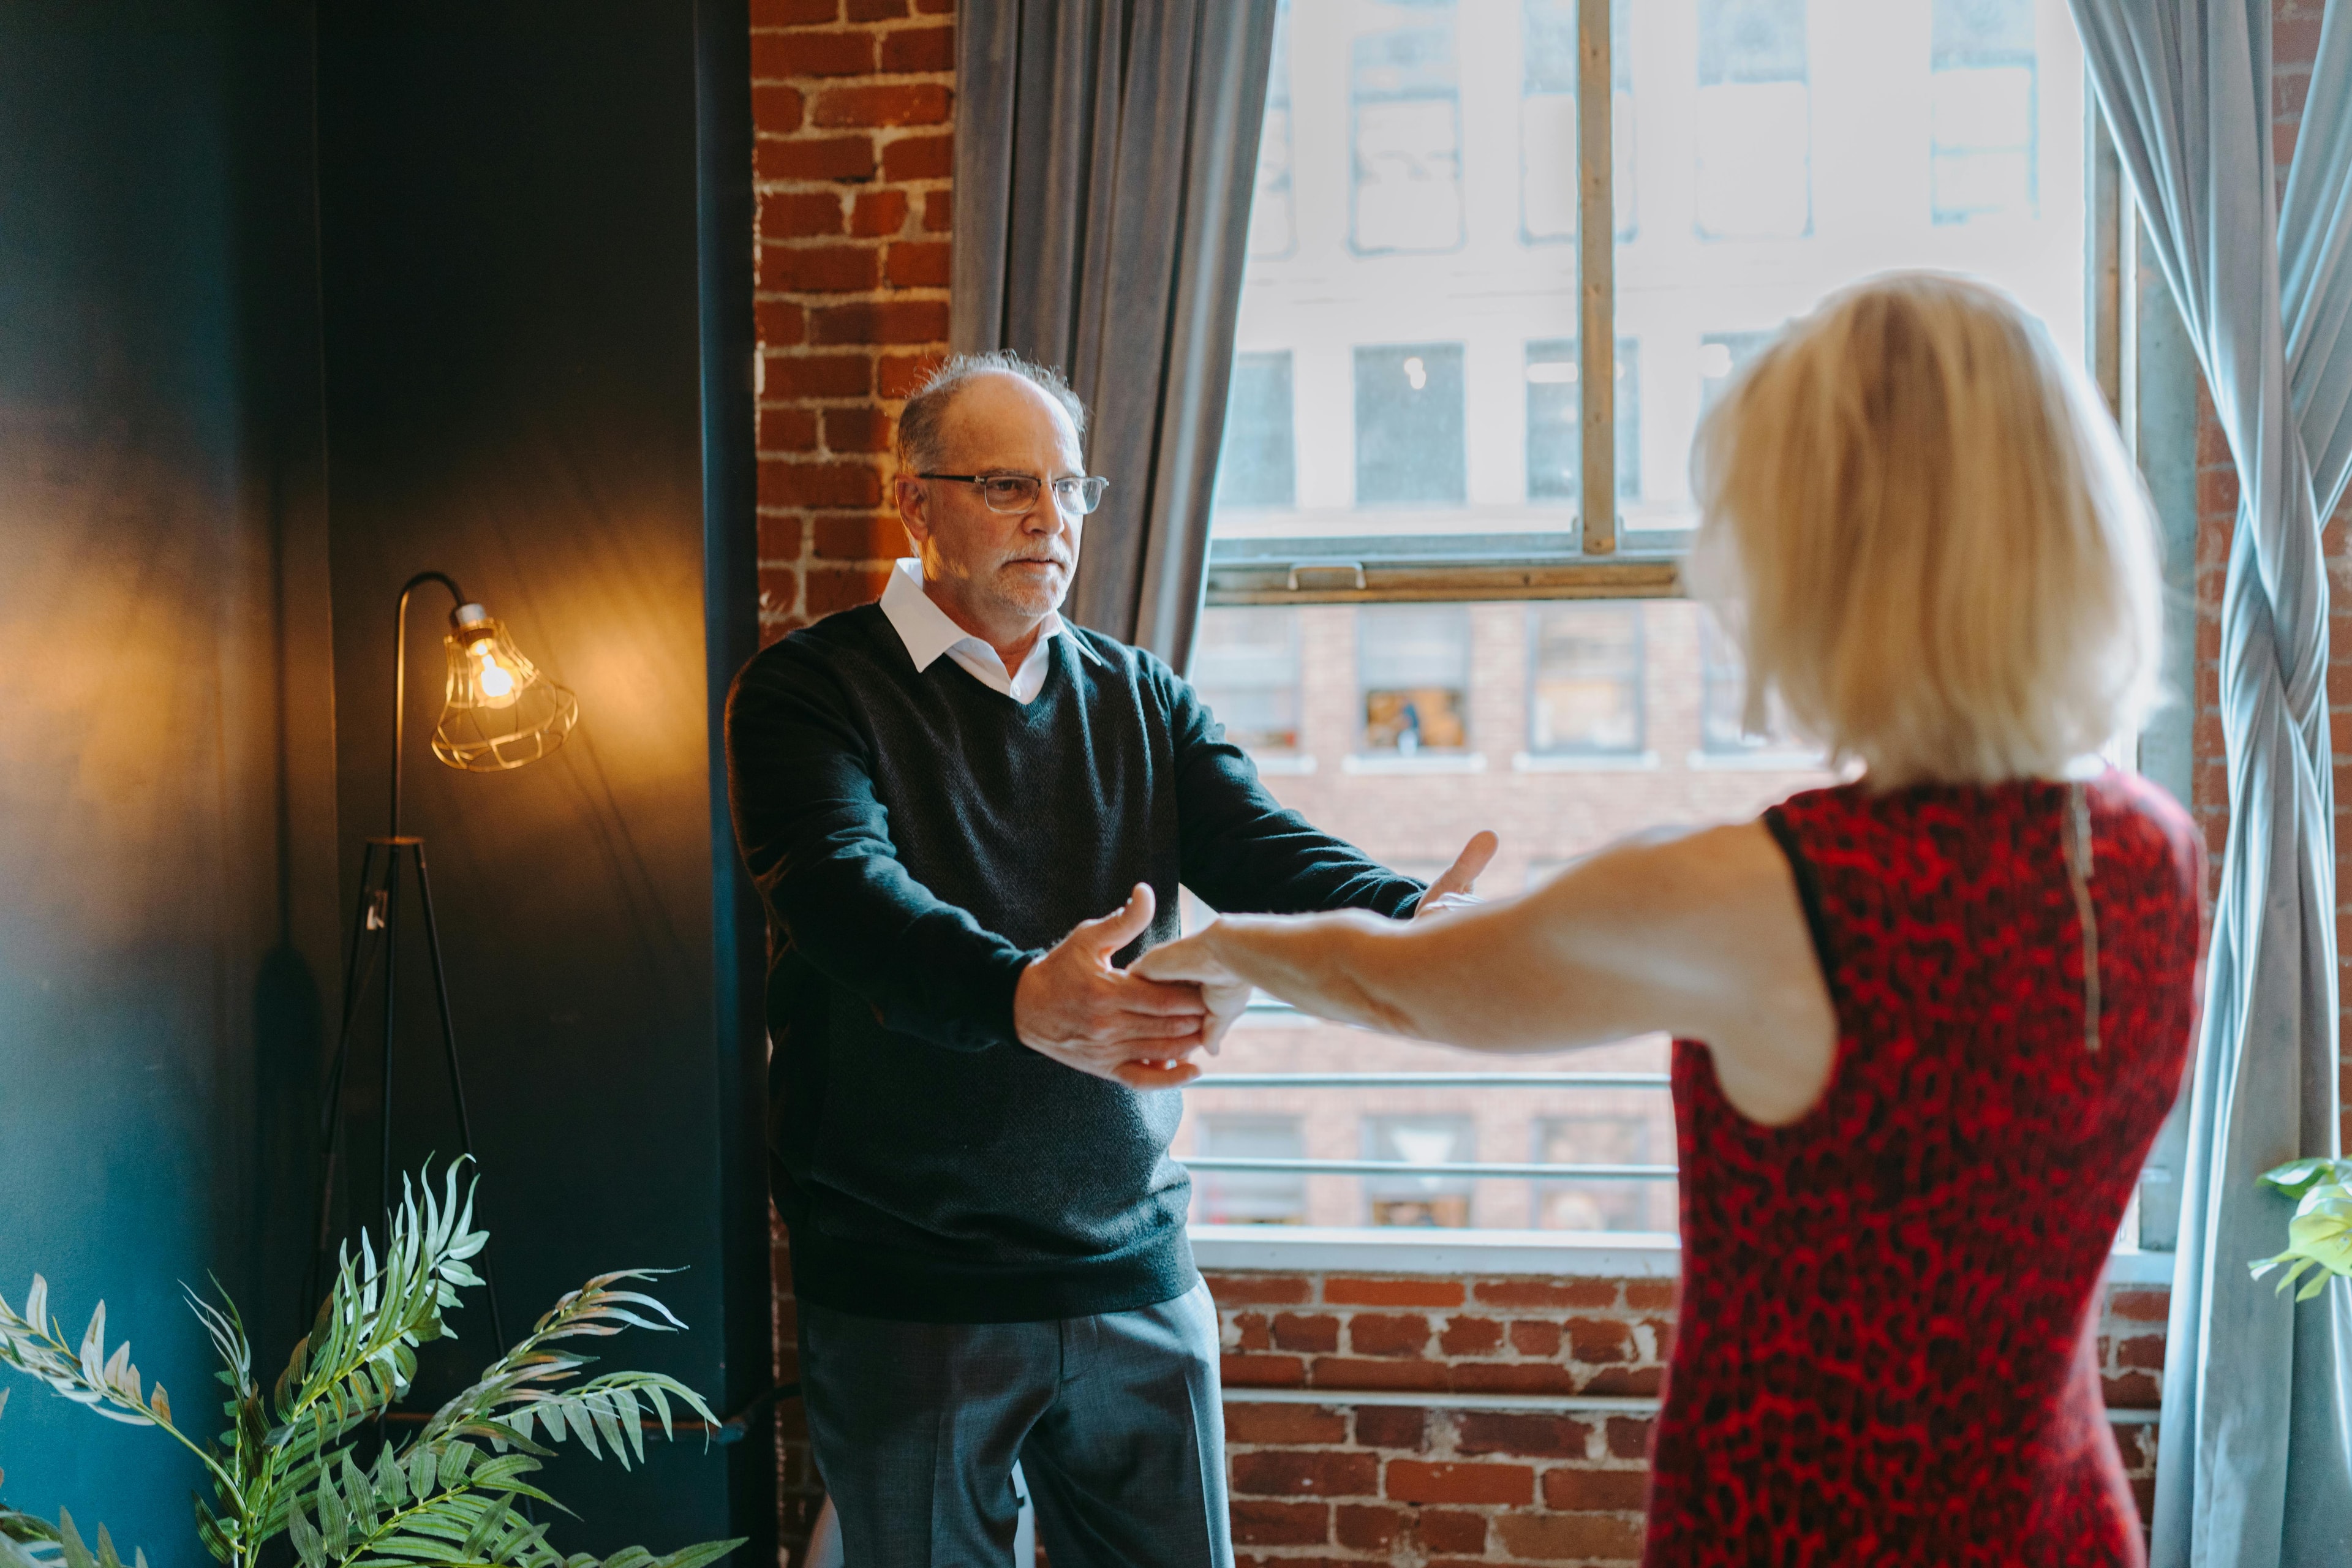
{"points": [[1089, 486]]}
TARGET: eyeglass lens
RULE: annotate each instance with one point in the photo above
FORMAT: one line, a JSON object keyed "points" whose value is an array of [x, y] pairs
{"points": [[1018, 492]]}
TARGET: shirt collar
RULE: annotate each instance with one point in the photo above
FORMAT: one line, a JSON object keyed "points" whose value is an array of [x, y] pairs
{"points": [[929, 631]]}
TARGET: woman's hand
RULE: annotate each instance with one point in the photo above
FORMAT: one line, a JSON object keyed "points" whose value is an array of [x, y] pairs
{"points": [[1194, 961]]}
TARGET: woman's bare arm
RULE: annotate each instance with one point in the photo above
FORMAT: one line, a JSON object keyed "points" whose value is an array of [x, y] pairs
{"points": [[1700, 935]]}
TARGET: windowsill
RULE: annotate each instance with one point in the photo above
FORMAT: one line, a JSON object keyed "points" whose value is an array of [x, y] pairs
{"points": [[1424, 763], [1584, 762], [1289, 764], [1612, 1254], [1757, 761]]}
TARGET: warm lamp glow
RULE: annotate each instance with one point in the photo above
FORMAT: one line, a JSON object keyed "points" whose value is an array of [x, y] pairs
{"points": [[500, 712]]}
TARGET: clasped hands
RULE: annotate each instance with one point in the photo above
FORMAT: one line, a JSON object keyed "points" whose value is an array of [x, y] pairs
{"points": [[1071, 1005]]}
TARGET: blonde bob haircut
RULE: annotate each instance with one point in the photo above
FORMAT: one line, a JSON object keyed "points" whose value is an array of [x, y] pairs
{"points": [[1919, 527]]}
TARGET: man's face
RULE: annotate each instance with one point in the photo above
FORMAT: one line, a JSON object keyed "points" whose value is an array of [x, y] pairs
{"points": [[1005, 572]]}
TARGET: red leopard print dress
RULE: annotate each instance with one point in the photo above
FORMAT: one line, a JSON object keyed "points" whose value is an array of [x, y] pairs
{"points": [[1888, 1309]]}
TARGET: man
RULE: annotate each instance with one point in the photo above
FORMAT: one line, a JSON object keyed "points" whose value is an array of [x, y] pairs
{"points": [[939, 795]]}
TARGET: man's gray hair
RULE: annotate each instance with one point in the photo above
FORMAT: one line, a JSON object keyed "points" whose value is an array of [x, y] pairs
{"points": [[919, 421]]}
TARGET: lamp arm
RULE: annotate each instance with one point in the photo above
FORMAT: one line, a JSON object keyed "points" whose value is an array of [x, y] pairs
{"points": [[400, 673]]}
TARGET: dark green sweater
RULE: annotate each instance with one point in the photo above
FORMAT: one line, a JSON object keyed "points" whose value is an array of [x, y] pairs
{"points": [[918, 839]]}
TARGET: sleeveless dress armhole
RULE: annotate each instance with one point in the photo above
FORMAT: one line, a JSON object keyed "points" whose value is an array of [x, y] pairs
{"points": [[1808, 894]]}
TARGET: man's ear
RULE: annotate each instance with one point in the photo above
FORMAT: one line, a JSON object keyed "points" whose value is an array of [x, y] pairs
{"points": [[913, 509]]}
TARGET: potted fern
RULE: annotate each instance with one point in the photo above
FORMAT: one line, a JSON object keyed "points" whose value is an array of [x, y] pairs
{"points": [[2320, 1236], [455, 1492]]}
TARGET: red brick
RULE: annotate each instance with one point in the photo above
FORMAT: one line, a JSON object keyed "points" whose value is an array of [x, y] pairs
{"points": [[857, 430], [2143, 1350], [1444, 1530], [1420, 1480], [1344, 1290], [1471, 1336], [1392, 1427], [787, 430], [1595, 1340], [1527, 1434], [1261, 1523], [1274, 1473], [1368, 1527], [883, 321], [934, 7], [1297, 1331], [781, 324], [1264, 1371], [1383, 1334], [896, 103], [1515, 1377], [1355, 1372], [939, 212], [782, 539], [1629, 1436], [870, 538], [842, 588], [776, 111], [1585, 1294], [2133, 1391], [814, 158], [1650, 1295], [901, 373], [1533, 1336], [919, 50], [1274, 1289], [1291, 1424], [1250, 1333], [876, 10], [919, 158], [819, 484], [822, 269], [917, 265], [799, 214], [2295, 41], [845, 53], [878, 214], [1574, 1489], [793, 13], [819, 375], [1567, 1537]]}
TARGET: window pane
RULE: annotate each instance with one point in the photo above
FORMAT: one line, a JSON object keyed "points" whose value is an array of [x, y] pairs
{"points": [[1555, 415], [1586, 684], [1420, 1140], [1246, 667], [1256, 468], [1754, 121], [1549, 181], [1273, 222], [1723, 703], [1413, 665], [1983, 110], [1722, 356], [1407, 112], [1251, 1197], [1408, 425], [1625, 1133]]}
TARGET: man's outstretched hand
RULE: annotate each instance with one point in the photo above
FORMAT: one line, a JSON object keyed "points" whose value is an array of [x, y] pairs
{"points": [[1452, 890], [1072, 1007]]}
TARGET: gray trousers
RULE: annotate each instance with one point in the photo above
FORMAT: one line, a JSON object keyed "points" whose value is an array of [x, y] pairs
{"points": [[1114, 1419]]}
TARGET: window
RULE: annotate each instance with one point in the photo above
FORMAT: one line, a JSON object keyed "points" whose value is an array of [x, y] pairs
{"points": [[1250, 1197], [1435, 1200], [1754, 124], [1413, 663], [1258, 465], [1723, 702], [1246, 667], [1273, 222], [1555, 421], [1407, 112], [1548, 183], [1409, 426], [1629, 1134], [1984, 128], [1586, 682], [1721, 357]]}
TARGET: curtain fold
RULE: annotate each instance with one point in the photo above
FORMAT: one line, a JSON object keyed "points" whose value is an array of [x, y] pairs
{"points": [[1107, 153], [2254, 1457]]}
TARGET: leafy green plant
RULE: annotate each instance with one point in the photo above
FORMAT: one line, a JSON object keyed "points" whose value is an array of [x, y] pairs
{"points": [[289, 1462], [2320, 1238]]}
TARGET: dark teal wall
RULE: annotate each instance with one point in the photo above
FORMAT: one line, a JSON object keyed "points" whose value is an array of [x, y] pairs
{"points": [[166, 723]]}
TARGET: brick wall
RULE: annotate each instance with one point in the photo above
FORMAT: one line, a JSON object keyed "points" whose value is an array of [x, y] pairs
{"points": [[1427, 1482]]}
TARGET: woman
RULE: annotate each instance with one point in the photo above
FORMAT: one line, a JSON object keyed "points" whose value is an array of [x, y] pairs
{"points": [[1928, 1021]]}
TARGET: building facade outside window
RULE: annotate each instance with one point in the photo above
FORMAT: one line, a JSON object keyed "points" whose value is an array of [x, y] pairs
{"points": [[1421, 1139], [1621, 1135], [1259, 465], [1548, 178], [1245, 667], [1251, 1197], [1755, 121], [1274, 221], [1414, 666], [1984, 110], [1555, 421], [1585, 686], [1409, 426], [1404, 100]]}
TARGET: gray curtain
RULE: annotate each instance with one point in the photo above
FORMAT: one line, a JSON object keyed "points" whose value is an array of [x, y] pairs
{"points": [[2252, 1467], [1106, 154]]}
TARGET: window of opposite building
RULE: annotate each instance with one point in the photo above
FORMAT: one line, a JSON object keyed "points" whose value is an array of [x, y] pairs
{"points": [[1413, 665], [1251, 1197], [1754, 124], [1585, 679], [1555, 420], [1983, 108], [1408, 425], [1548, 179], [1405, 104], [1258, 467], [1403, 1198], [1245, 665], [1274, 219]]}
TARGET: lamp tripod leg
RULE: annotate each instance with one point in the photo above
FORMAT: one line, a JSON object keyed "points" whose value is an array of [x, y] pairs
{"points": [[390, 1015], [457, 1077], [356, 974]]}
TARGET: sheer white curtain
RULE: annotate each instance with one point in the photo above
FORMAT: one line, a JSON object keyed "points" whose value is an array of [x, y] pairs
{"points": [[2253, 1470]]}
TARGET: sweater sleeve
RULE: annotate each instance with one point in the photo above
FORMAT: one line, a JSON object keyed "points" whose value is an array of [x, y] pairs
{"points": [[1243, 851], [816, 838]]}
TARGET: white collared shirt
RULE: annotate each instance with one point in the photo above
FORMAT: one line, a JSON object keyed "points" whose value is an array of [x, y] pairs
{"points": [[929, 631]]}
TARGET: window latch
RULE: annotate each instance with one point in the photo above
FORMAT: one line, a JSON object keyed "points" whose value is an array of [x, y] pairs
{"points": [[1355, 566]]}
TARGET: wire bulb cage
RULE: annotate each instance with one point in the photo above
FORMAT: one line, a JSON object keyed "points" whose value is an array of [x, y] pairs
{"points": [[499, 711]]}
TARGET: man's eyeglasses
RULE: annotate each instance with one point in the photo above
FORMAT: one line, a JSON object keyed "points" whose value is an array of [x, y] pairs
{"points": [[1018, 492]]}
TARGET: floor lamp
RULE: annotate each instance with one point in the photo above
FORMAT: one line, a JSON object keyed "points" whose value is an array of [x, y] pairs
{"points": [[498, 712]]}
